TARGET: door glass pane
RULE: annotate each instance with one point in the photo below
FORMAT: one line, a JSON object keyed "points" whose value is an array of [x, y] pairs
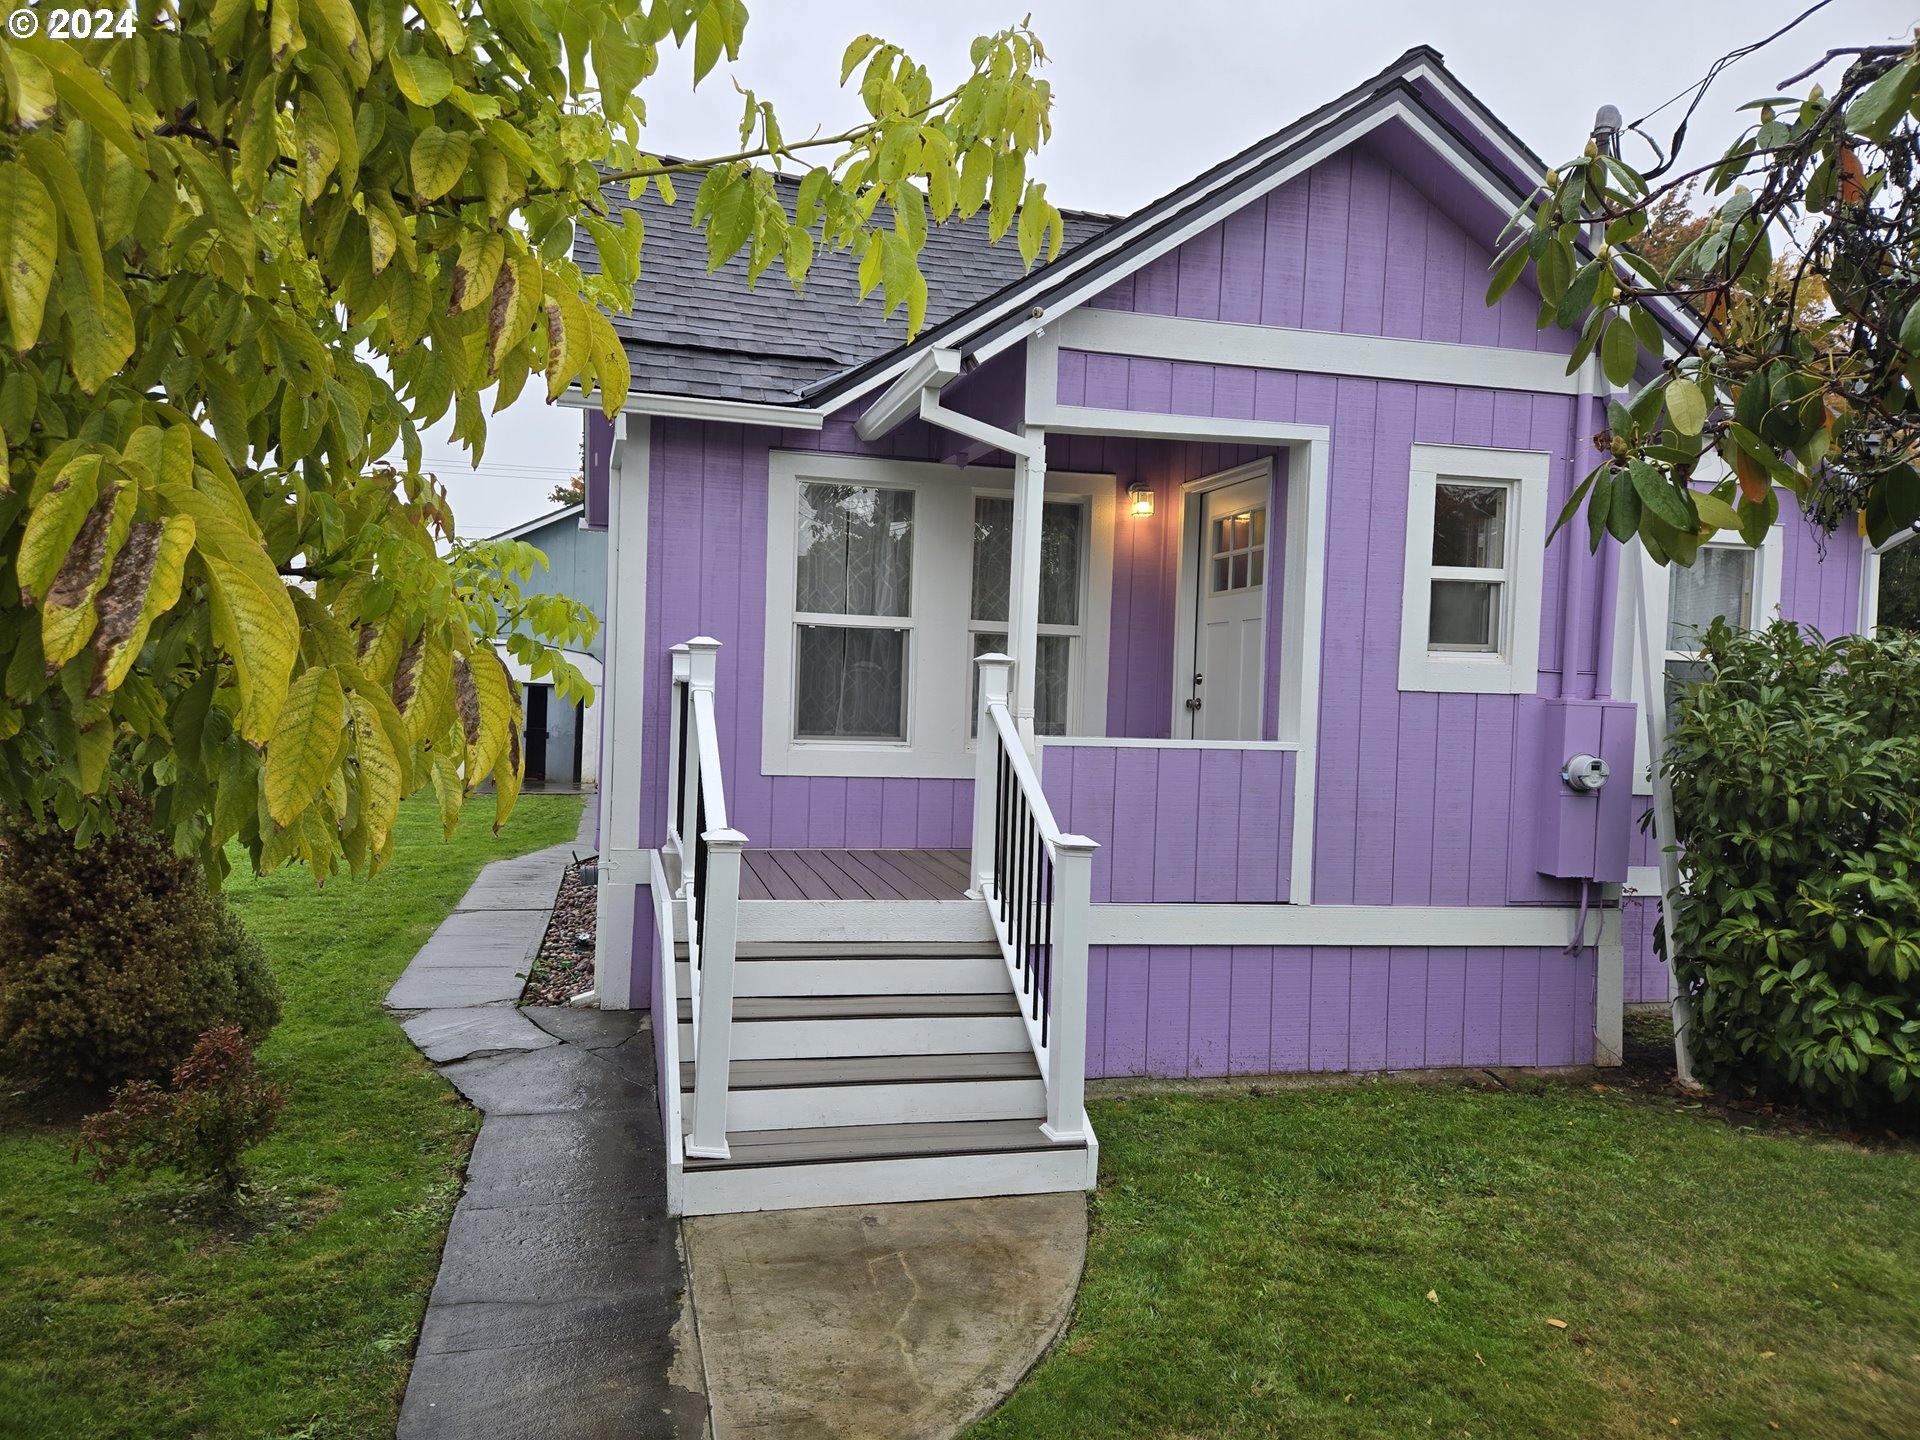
{"points": [[854, 550], [1060, 527], [1239, 550], [1719, 583], [1052, 674], [850, 683], [1465, 615], [1220, 574], [1469, 526], [1240, 571]]}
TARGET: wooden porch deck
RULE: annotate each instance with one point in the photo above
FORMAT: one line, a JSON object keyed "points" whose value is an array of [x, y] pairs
{"points": [[854, 875]]}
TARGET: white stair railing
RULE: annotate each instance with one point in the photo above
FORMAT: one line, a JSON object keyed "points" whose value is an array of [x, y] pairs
{"points": [[1037, 885], [708, 853]]}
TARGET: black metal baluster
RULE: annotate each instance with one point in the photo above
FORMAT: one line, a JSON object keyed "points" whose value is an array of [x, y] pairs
{"points": [[1000, 832], [680, 772], [1046, 951], [700, 872]]}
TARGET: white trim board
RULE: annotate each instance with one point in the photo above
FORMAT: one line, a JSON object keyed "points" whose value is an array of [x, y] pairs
{"points": [[1109, 742], [1321, 352], [629, 480], [1295, 925], [695, 407]]}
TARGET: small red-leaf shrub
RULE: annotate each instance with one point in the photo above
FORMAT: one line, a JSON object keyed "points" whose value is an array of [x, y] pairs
{"points": [[218, 1109]]}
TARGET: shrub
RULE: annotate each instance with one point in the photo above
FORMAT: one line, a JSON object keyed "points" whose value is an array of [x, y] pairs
{"points": [[219, 1108], [1794, 767], [113, 958]]}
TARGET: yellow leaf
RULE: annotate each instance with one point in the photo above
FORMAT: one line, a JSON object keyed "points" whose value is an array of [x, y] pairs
{"points": [[29, 239], [1433, 1297], [609, 359], [53, 522], [145, 584], [484, 702], [305, 743], [30, 95], [437, 161], [566, 336], [447, 790], [1557, 1324], [508, 774], [316, 150], [382, 238], [68, 617], [284, 32], [1686, 405], [382, 776], [476, 269], [102, 338]]}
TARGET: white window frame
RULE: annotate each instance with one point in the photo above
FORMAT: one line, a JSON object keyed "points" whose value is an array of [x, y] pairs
{"points": [[938, 741], [1763, 609], [1076, 635], [1513, 668]]}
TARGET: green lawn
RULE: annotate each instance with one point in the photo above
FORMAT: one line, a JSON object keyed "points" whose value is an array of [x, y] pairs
{"points": [[121, 1320], [1261, 1265]]}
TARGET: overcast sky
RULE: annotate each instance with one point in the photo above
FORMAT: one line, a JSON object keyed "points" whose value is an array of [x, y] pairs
{"points": [[1147, 95]]}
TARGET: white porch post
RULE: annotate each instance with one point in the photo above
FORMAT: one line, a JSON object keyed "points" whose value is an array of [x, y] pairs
{"points": [[622, 698], [993, 691], [1023, 599], [1067, 1023]]}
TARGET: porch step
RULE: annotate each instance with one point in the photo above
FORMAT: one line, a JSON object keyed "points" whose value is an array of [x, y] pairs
{"points": [[848, 970], [876, 1090], [882, 1164], [794, 1027]]}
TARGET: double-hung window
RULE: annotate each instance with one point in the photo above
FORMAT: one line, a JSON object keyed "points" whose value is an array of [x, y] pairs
{"points": [[853, 611], [885, 578], [1476, 525], [1718, 585], [1062, 604]]}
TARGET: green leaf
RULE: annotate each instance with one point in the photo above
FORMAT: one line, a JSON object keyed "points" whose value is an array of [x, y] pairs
{"points": [[1884, 101], [29, 240], [1715, 512], [1581, 289], [382, 776], [1619, 351], [81, 89], [1623, 510], [1660, 496], [316, 150], [305, 743], [1508, 270], [437, 161], [1686, 405]]}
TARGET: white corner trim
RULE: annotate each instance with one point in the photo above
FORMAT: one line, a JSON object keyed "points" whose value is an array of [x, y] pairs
{"points": [[1290, 925], [629, 479], [1515, 668], [1328, 352]]}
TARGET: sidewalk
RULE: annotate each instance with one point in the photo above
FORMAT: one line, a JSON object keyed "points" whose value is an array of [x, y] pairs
{"points": [[561, 1287]]}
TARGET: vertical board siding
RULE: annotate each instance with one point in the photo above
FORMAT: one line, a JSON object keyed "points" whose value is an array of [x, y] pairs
{"points": [[1177, 825], [1358, 245]]}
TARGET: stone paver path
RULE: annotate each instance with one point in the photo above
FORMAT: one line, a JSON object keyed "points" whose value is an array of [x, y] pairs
{"points": [[558, 1308]]}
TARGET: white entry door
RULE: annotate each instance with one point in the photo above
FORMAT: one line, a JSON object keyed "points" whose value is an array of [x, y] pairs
{"points": [[1228, 646]]}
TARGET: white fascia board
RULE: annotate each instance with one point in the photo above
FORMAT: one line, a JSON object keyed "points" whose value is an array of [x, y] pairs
{"points": [[1316, 352], [1293, 925], [540, 522], [933, 370], [694, 407]]}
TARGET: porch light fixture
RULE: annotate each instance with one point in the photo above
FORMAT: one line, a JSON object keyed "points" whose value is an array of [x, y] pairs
{"points": [[1140, 499]]}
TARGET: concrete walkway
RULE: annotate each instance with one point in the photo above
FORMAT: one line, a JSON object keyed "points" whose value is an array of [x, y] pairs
{"points": [[558, 1308], [569, 1306]]}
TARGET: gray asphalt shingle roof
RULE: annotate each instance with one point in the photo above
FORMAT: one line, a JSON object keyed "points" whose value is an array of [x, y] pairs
{"points": [[691, 333]]}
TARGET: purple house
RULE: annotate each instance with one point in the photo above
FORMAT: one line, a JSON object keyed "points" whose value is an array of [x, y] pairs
{"points": [[1158, 667]]}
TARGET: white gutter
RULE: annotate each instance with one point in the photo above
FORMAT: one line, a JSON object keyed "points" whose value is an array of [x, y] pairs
{"points": [[917, 393]]}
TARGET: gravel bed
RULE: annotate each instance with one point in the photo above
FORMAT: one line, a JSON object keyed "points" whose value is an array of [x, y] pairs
{"points": [[564, 967]]}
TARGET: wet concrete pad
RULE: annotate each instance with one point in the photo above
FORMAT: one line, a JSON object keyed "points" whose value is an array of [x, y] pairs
{"points": [[886, 1321], [584, 1157], [445, 987], [555, 1253], [447, 1035], [484, 937], [563, 1078], [593, 1029]]}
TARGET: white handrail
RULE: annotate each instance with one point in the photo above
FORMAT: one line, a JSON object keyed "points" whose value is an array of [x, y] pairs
{"points": [[669, 1006], [1039, 907], [709, 894]]}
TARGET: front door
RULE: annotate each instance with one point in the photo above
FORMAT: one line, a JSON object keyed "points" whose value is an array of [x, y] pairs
{"points": [[1230, 607]]}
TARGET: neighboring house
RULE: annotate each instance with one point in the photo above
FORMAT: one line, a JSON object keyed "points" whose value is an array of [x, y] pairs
{"points": [[563, 740], [1253, 489]]}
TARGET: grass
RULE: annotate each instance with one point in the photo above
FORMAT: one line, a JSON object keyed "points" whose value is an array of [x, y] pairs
{"points": [[129, 1313], [1261, 1265]]}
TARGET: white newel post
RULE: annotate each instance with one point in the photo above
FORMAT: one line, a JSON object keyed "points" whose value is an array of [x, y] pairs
{"points": [[1023, 599], [994, 679], [715, 1019], [1067, 1022], [702, 662], [681, 671]]}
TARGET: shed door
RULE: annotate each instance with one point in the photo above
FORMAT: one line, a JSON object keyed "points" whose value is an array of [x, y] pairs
{"points": [[1230, 610]]}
